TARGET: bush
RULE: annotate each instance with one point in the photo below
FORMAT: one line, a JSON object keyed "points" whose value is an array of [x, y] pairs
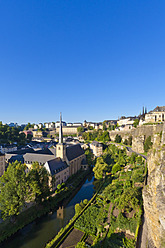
{"points": [[87, 221], [147, 144], [118, 138], [116, 168]]}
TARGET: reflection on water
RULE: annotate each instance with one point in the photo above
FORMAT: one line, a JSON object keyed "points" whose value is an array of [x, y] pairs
{"points": [[36, 234]]}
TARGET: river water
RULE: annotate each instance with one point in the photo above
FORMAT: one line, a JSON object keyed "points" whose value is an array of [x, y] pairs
{"points": [[38, 233]]}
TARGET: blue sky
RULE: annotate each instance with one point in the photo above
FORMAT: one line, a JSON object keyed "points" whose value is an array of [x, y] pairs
{"points": [[90, 59]]}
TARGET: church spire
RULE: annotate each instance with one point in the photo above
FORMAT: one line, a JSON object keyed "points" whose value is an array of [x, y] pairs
{"points": [[60, 131]]}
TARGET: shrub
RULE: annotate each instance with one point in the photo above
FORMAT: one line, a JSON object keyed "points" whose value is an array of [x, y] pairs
{"points": [[116, 168], [118, 138], [147, 144]]}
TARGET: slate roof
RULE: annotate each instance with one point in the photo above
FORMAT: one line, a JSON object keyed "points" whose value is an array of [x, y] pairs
{"points": [[158, 109], [33, 157], [74, 151], [56, 165], [18, 158], [22, 151], [96, 143], [46, 151]]}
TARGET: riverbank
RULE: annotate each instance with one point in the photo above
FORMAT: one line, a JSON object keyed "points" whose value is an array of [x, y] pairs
{"points": [[8, 229], [64, 232]]}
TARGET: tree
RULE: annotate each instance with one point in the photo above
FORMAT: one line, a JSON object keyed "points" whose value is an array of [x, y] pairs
{"points": [[104, 126], [89, 157], [116, 168], [80, 130], [100, 168], [14, 190], [29, 137], [90, 128], [38, 182], [125, 142], [118, 138], [129, 199], [147, 144], [81, 244], [78, 208], [133, 158], [136, 123]]}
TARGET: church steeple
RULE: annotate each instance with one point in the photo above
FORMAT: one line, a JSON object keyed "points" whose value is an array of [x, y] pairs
{"points": [[60, 131], [61, 147]]}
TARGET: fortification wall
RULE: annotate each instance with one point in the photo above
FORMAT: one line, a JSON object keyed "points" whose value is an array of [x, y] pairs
{"points": [[138, 134]]}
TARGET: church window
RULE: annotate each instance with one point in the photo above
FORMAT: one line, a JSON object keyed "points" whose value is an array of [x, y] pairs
{"points": [[59, 148]]}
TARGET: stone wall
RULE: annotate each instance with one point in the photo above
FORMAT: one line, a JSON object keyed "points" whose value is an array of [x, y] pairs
{"points": [[154, 194], [138, 134]]}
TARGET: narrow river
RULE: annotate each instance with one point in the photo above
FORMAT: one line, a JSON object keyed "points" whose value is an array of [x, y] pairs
{"points": [[38, 233]]}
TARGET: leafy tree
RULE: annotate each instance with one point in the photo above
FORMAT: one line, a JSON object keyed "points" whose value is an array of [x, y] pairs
{"points": [[29, 137], [147, 144], [118, 138], [90, 128], [81, 244], [116, 168], [136, 123], [125, 142], [14, 190], [29, 125], [96, 135], [80, 130], [129, 199], [104, 126], [133, 158], [89, 157], [78, 208], [100, 168], [10, 135], [139, 160], [38, 180]]}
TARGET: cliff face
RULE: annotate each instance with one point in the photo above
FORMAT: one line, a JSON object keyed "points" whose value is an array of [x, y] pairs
{"points": [[154, 194], [138, 135]]}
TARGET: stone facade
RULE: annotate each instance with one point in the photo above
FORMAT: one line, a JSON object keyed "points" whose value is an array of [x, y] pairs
{"points": [[67, 130], [156, 115]]}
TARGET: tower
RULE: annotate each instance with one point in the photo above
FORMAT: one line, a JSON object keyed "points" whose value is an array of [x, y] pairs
{"points": [[61, 147]]}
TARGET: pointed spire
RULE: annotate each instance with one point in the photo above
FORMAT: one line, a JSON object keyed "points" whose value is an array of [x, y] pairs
{"points": [[60, 131], [145, 110]]}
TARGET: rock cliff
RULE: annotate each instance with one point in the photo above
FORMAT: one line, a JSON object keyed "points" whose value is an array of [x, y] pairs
{"points": [[138, 135], [154, 193]]}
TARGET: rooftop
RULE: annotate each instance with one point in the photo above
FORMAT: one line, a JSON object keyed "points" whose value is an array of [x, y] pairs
{"points": [[74, 151]]}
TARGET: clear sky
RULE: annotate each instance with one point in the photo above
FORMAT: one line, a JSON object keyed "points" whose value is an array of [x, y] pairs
{"points": [[89, 59]]}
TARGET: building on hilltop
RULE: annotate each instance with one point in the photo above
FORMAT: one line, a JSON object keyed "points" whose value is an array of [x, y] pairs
{"points": [[156, 115]]}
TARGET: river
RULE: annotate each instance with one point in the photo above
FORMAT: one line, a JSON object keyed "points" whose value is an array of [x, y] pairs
{"points": [[38, 233]]}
